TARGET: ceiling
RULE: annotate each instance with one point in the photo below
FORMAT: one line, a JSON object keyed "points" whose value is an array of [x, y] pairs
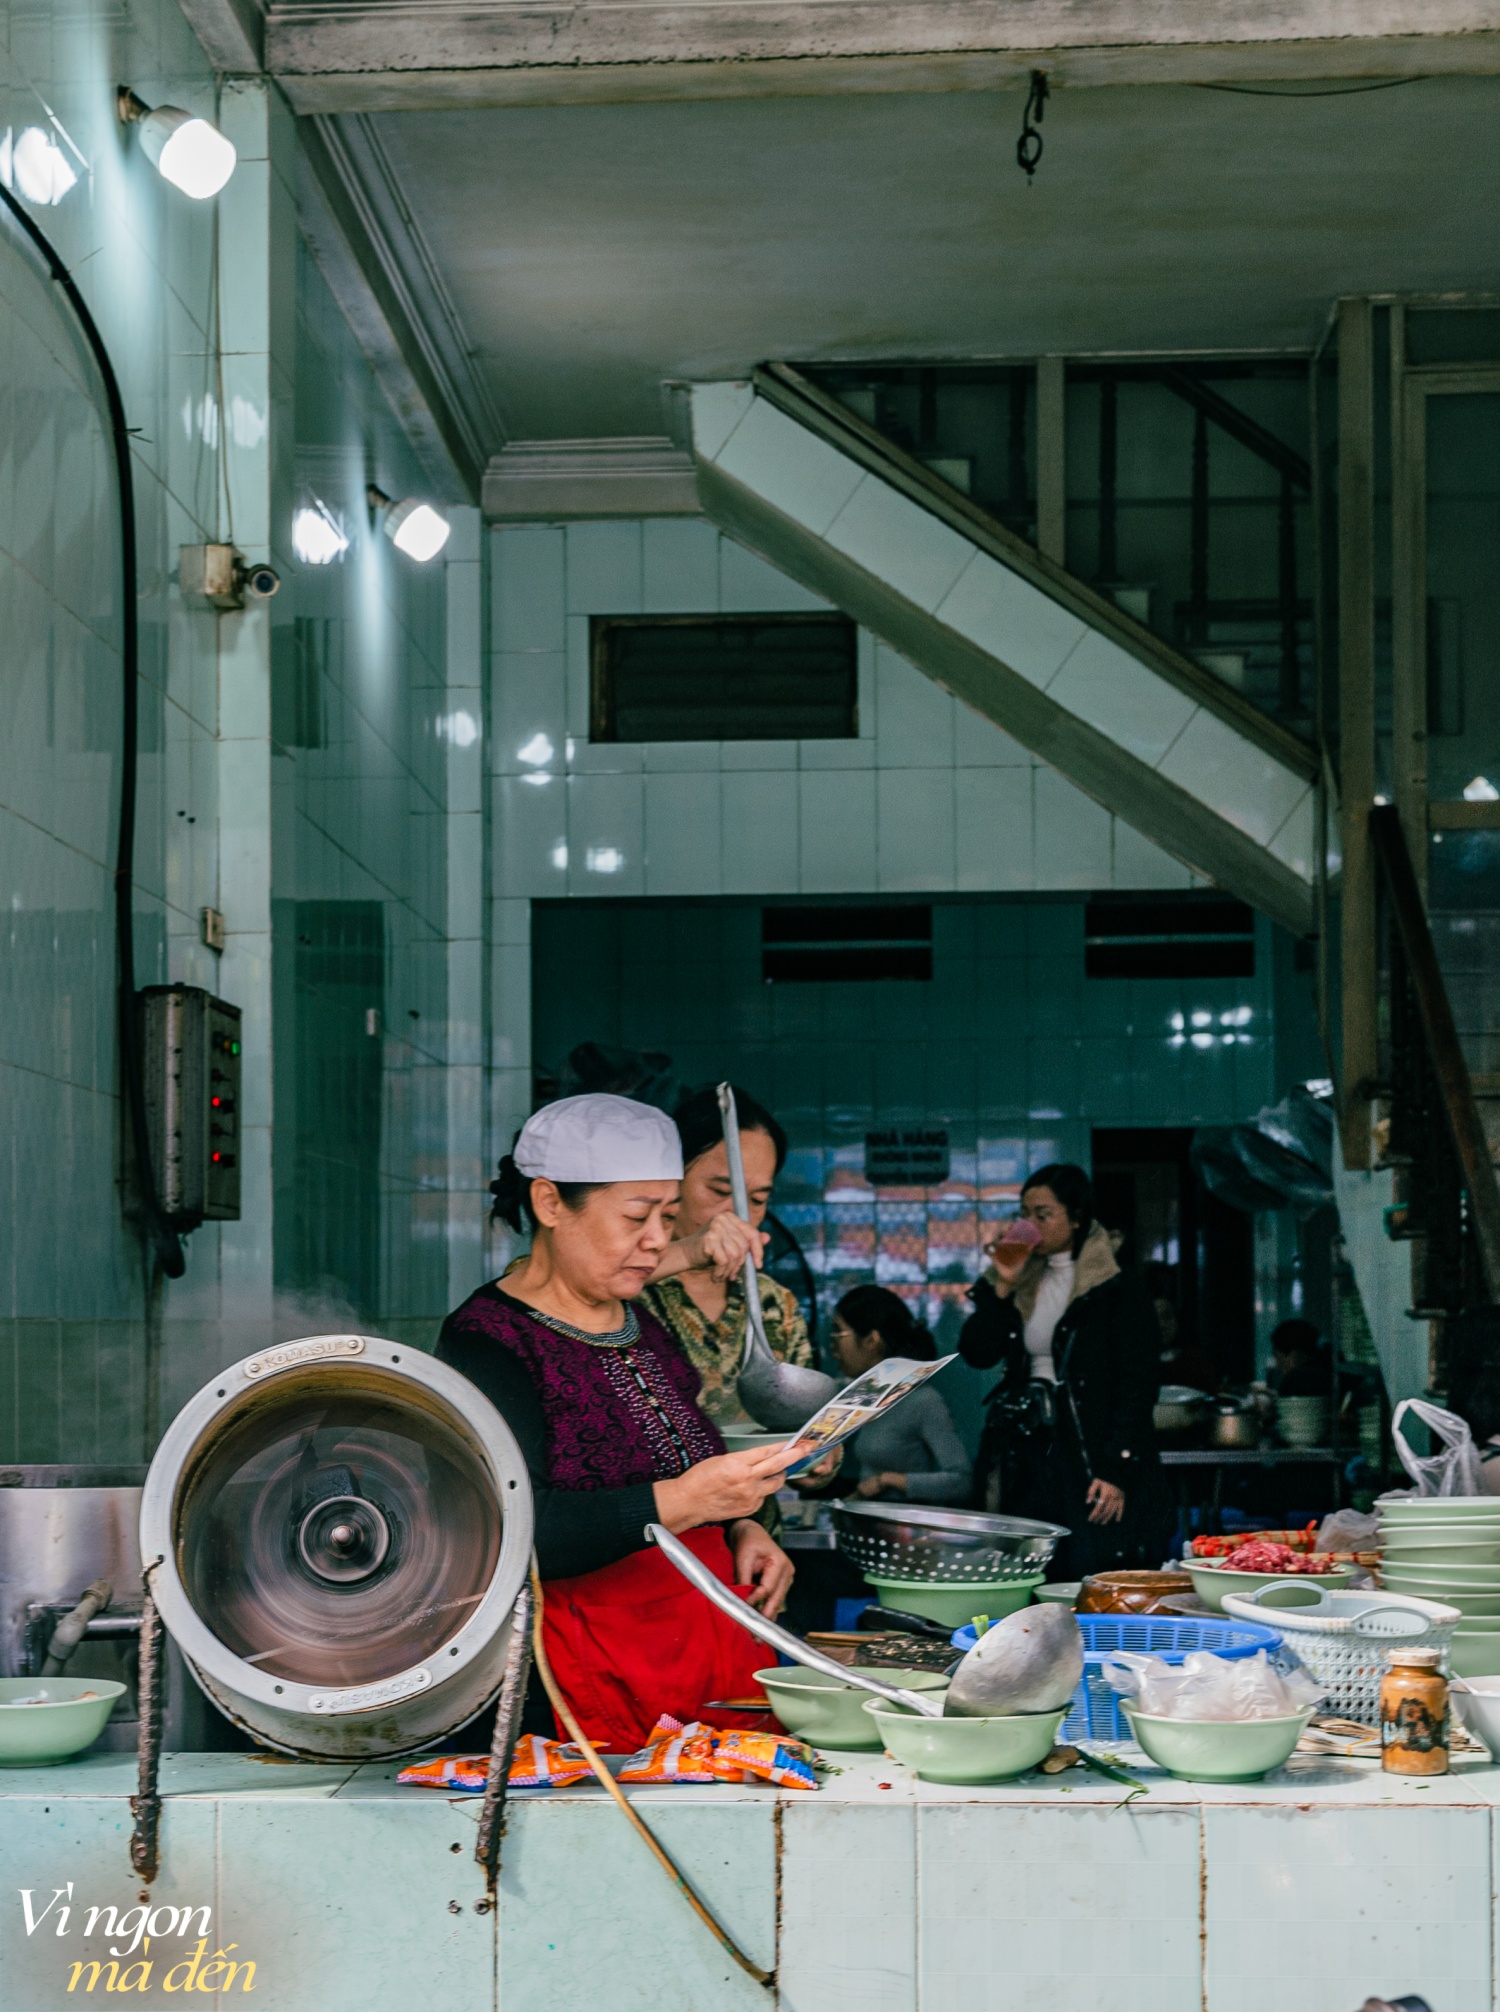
{"points": [[592, 251]]}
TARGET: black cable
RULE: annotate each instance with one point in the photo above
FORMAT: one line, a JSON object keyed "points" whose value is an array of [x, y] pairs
{"points": [[1029, 146], [1351, 90], [163, 1237]]}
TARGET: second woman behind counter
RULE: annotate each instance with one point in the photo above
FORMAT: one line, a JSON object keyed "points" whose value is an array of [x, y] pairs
{"points": [[703, 1309]]}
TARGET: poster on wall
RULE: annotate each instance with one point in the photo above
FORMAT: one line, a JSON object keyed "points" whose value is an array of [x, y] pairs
{"points": [[907, 1156]]}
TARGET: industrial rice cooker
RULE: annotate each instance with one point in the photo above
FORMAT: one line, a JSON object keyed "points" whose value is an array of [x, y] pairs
{"points": [[336, 1533]]}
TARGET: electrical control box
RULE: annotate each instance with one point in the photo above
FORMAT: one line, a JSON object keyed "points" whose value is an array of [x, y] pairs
{"points": [[191, 1054]]}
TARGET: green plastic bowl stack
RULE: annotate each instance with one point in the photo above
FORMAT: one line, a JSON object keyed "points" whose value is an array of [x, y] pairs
{"points": [[70, 1716], [953, 1602], [1447, 1548]]}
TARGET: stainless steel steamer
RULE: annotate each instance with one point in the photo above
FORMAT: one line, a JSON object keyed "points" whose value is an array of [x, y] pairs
{"points": [[335, 1531]]}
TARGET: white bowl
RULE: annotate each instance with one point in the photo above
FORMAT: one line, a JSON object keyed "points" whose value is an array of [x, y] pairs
{"points": [[1478, 1708]]}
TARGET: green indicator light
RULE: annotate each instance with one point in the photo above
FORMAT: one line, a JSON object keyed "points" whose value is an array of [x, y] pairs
{"points": [[234, 1047]]}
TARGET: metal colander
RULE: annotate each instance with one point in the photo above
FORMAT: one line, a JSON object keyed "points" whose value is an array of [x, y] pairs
{"points": [[895, 1540]]}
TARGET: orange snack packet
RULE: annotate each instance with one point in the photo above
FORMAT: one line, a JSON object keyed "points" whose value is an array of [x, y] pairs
{"points": [[748, 1757], [538, 1763], [673, 1752]]}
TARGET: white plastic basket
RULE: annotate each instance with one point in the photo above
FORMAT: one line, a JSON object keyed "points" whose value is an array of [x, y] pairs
{"points": [[1342, 1639]]}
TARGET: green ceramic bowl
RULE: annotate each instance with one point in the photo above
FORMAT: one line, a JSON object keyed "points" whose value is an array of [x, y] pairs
{"points": [[955, 1605], [1217, 1749], [752, 1439], [1437, 1508], [1426, 1547], [1457, 1578], [966, 1752], [1212, 1582], [1484, 1605], [42, 1735], [818, 1708], [1474, 1655]]}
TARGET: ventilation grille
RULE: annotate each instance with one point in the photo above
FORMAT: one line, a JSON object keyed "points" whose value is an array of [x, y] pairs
{"points": [[823, 945], [1189, 936]]}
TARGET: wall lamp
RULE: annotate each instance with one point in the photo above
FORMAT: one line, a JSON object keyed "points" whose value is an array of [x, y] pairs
{"points": [[412, 526], [190, 152]]}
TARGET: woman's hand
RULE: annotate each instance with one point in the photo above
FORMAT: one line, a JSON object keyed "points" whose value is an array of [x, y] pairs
{"points": [[1106, 1502], [725, 1487], [825, 1470], [881, 1484], [760, 1562], [721, 1247], [725, 1242]]}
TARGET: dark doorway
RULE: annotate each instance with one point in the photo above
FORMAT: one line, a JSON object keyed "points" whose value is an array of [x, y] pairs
{"points": [[1194, 1251]]}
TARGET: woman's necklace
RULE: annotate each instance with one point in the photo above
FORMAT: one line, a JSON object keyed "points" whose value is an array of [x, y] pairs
{"points": [[620, 1337]]}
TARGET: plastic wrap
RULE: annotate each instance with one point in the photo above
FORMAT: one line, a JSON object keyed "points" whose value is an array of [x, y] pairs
{"points": [[1206, 1686]]}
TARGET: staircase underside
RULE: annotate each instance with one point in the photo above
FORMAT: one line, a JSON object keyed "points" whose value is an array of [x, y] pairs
{"points": [[1148, 734]]}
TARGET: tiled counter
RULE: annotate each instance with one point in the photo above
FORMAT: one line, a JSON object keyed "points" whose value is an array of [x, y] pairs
{"points": [[880, 1893]]}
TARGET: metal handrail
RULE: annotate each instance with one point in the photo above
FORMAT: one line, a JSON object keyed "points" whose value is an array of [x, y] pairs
{"points": [[1449, 1067]]}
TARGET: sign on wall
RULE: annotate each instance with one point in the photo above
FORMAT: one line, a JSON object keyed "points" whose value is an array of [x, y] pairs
{"points": [[906, 1156]]}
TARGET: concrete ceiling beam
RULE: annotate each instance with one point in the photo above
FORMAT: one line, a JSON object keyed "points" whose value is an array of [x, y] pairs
{"points": [[345, 55]]}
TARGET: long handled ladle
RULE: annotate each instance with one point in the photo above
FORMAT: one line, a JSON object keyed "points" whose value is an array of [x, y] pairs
{"points": [[729, 1602], [779, 1395]]}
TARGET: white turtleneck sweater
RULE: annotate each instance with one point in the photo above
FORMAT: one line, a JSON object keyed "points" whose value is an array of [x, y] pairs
{"points": [[1052, 1297]]}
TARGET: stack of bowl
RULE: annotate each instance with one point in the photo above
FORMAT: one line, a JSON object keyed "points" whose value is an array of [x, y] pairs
{"points": [[1302, 1421], [1447, 1548]]}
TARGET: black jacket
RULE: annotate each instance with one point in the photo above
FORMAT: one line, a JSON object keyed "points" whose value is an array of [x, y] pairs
{"points": [[1106, 1349]]}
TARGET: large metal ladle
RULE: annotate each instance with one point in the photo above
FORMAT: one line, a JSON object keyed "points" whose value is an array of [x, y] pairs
{"points": [[729, 1602], [779, 1395], [1029, 1662]]}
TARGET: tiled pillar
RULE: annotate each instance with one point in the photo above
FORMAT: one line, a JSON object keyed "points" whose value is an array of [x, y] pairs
{"points": [[257, 283], [464, 726]]}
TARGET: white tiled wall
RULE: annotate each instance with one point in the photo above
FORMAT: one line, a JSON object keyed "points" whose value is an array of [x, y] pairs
{"points": [[929, 798], [142, 254]]}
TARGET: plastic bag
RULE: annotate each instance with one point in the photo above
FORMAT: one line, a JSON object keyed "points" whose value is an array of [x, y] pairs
{"points": [[1454, 1471], [1348, 1530], [763, 1757], [1206, 1686]]}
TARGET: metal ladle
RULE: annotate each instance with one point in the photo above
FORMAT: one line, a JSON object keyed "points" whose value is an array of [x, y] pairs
{"points": [[1029, 1662], [729, 1602], [779, 1395]]}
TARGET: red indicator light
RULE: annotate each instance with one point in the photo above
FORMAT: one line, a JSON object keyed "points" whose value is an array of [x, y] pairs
{"points": [[215, 1101], [216, 1157]]}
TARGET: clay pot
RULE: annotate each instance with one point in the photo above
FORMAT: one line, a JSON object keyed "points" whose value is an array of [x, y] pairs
{"points": [[1130, 1592]]}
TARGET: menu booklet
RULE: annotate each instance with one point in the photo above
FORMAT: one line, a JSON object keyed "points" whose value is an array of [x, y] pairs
{"points": [[867, 1397]]}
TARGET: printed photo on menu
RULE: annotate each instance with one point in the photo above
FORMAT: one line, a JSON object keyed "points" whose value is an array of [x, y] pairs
{"points": [[858, 1402]]}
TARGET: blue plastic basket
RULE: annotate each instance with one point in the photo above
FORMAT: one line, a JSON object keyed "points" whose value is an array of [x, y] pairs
{"points": [[1095, 1711]]}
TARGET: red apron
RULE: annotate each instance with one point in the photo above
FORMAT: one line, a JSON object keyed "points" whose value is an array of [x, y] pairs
{"points": [[636, 1639]]}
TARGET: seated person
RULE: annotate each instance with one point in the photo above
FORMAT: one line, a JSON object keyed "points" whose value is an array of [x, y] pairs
{"points": [[913, 1453], [1300, 1363]]}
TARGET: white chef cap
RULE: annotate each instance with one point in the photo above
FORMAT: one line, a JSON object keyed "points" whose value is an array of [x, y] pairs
{"points": [[599, 1138]]}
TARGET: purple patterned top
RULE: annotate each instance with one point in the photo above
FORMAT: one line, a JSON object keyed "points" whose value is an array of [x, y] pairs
{"points": [[611, 1417]]}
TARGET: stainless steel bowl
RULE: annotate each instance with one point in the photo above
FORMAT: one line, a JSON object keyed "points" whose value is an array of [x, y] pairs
{"points": [[897, 1540]]}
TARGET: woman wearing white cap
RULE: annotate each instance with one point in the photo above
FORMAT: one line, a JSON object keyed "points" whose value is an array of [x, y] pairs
{"points": [[603, 1403]]}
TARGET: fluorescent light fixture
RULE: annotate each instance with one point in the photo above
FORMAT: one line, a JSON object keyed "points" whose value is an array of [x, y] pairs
{"points": [[36, 165], [187, 151], [412, 526], [316, 537], [604, 859], [1481, 790]]}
